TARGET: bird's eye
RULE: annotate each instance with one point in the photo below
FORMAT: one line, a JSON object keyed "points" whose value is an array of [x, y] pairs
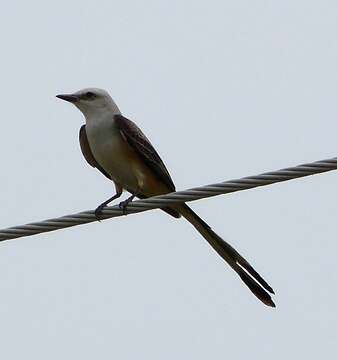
{"points": [[90, 95]]}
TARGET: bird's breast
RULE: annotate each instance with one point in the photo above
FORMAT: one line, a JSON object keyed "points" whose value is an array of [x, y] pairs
{"points": [[114, 154]]}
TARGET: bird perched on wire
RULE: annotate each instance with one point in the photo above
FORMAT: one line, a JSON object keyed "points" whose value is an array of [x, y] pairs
{"points": [[119, 150]]}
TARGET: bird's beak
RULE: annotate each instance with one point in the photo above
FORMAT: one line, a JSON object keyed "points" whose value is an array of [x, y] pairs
{"points": [[68, 97]]}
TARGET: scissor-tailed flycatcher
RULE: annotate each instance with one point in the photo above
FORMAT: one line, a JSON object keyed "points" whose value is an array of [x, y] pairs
{"points": [[118, 148]]}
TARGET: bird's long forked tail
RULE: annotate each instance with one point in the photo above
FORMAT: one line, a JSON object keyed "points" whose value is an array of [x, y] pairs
{"points": [[257, 285]]}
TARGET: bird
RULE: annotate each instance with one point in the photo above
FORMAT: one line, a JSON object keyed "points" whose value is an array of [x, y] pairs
{"points": [[117, 147]]}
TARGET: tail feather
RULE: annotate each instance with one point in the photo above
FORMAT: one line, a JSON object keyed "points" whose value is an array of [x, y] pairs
{"points": [[244, 263], [240, 265], [256, 289]]}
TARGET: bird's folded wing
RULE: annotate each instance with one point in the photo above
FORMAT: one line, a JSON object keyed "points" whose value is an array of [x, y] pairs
{"points": [[87, 153], [142, 146]]}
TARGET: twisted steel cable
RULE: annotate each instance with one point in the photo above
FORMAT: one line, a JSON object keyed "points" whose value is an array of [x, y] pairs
{"points": [[165, 200]]}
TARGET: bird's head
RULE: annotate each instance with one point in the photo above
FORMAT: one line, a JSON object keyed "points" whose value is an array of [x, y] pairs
{"points": [[91, 101]]}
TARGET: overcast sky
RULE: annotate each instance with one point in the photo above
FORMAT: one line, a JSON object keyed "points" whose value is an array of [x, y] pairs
{"points": [[223, 89]]}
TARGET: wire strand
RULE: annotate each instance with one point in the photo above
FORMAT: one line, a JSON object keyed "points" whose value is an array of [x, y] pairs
{"points": [[193, 194]]}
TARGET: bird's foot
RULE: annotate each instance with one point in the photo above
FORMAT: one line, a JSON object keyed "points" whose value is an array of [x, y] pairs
{"points": [[98, 212], [123, 204]]}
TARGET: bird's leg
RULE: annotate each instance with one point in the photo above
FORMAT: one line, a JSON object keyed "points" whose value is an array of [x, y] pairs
{"points": [[124, 204], [99, 208]]}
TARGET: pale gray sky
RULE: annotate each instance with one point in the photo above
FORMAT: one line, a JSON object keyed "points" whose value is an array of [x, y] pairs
{"points": [[223, 89]]}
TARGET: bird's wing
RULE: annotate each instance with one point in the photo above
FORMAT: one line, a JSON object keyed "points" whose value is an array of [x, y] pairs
{"points": [[142, 146], [86, 151]]}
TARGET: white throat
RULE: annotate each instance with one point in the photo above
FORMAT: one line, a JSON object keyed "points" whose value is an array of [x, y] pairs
{"points": [[93, 113]]}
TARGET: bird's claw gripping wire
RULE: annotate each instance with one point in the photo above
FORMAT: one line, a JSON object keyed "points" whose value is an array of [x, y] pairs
{"points": [[99, 209], [123, 204]]}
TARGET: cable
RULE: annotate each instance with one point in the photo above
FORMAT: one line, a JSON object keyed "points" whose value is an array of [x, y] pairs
{"points": [[165, 200]]}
